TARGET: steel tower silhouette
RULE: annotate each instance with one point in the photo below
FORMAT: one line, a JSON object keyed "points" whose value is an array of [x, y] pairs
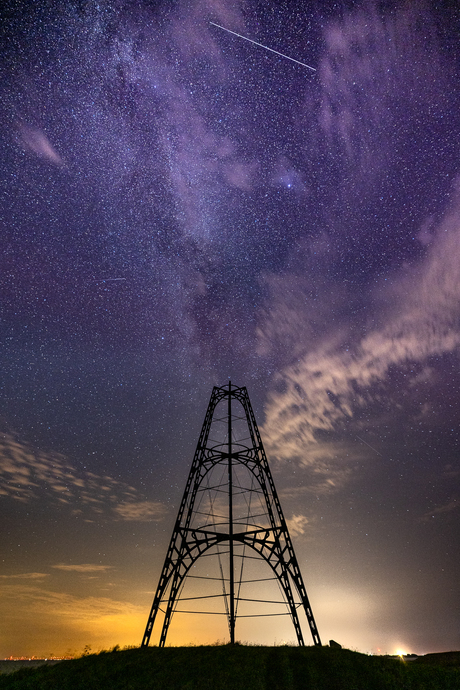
{"points": [[230, 513]]}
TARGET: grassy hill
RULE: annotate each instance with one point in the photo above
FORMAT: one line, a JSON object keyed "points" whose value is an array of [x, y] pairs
{"points": [[234, 668], [446, 659]]}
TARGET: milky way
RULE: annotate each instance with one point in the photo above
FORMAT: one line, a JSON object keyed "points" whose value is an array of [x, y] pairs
{"points": [[180, 207]]}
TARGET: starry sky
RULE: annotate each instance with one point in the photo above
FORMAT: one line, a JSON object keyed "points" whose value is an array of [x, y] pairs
{"points": [[180, 207]]}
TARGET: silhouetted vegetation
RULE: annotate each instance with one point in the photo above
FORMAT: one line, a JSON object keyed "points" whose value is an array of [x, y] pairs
{"points": [[446, 659], [234, 668]]}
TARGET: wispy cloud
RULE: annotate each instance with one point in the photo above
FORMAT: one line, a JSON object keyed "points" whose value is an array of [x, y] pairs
{"points": [[382, 55], [25, 576], [315, 397], [37, 616], [142, 511], [25, 473], [84, 568], [440, 510], [297, 525]]}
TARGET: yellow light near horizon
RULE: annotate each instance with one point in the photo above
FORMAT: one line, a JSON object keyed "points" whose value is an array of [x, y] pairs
{"points": [[400, 652]]}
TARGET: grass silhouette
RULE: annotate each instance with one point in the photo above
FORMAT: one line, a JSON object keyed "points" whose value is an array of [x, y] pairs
{"points": [[235, 667]]}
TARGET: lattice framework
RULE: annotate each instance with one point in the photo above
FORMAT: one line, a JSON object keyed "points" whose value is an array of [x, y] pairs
{"points": [[230, 500]]}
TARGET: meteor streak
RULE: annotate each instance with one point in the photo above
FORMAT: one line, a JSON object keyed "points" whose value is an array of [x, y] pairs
{"points": [[368, 444], [262, 46], [106, 280]]}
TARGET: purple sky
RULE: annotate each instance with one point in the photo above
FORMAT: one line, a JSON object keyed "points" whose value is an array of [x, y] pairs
{"points": [[180, 207]]}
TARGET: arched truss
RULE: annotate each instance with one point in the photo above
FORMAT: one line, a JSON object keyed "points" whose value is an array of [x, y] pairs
{"points": [[236, 444]]}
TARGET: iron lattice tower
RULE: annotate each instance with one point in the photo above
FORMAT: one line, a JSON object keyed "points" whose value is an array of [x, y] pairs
{"points": [[230, 511]]}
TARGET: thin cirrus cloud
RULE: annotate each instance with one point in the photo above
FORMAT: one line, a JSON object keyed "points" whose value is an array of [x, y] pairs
{"points": [[140, 511], [26, 473], [84, 568], [75, 619], [25, 576], [380, 56], [438, 510], [328, 384]]}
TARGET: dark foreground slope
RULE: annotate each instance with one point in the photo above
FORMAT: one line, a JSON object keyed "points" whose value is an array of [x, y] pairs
{"points": [[445, 659], [233, 668]]}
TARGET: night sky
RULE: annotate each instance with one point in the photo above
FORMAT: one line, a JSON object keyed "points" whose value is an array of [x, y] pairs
{"points": [[180, 207]]}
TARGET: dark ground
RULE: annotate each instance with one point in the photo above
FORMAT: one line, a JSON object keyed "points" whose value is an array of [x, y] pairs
{"points": [[239, 668]]}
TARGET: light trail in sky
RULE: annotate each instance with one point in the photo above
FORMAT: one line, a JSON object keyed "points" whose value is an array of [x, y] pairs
{"points": [[262, 46], [368, 444]]}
